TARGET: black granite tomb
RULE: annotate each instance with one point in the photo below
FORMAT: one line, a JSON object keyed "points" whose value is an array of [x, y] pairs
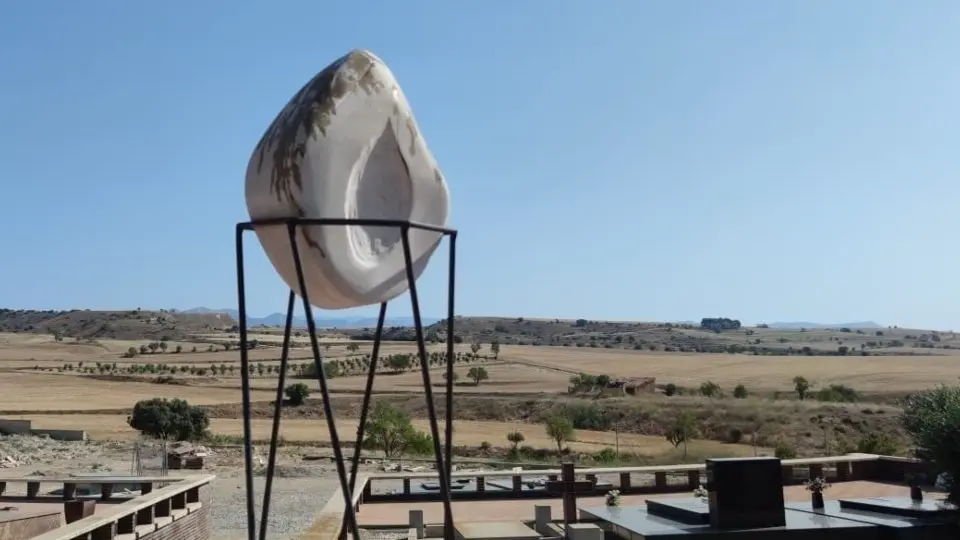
{"points": [[636, 523], [942, 526], [745, 493], [900, 506], [689, 511]]}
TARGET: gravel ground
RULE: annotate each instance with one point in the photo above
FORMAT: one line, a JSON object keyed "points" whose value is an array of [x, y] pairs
{"points": [[293, 506]]}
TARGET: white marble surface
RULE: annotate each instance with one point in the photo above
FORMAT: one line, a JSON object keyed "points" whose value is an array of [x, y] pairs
{"points": [[347, 146]]}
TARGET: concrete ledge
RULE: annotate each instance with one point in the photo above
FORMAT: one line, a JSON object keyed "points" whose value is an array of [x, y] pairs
{"points": [[329, 522]]}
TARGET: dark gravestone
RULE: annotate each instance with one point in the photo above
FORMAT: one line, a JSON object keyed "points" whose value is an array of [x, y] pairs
{"points": [[745, 493], [77, 509]]}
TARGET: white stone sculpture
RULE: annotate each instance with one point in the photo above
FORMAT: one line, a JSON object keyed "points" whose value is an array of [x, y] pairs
{"points": [[347, 146]]}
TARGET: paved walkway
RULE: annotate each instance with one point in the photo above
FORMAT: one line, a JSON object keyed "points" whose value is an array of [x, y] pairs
{"points": [[522, 510]]}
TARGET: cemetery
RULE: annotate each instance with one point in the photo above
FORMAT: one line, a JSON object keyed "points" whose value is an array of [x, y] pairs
{"points": [[738, 498]]}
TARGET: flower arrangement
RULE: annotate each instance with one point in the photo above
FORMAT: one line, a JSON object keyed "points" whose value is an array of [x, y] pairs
{"points": [[613, 498], [701, 493], [817, 485]]}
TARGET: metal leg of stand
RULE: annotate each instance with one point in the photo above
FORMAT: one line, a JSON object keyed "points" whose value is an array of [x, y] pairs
{"points": [[277, 413], [367, 393], [349, 510], [427, 389], [449, 412], [245, 383]]}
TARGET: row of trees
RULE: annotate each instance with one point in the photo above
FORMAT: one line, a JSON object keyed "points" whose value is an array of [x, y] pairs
{"points": [[801, 386]]}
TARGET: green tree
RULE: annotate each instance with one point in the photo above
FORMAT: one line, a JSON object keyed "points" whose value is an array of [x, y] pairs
{"points": [[353, 347], [740, 391], [456, 376], [478, 373], [163, 346], [682, 431], [399, 362], [801, 386], [560, 430], [932, 419], [475, 347], [516, 439], [297, 393], [172, 419], [389, 429], [495, 348]]}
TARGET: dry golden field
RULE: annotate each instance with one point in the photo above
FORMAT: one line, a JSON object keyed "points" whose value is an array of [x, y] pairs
{"points": [[523, 369], [471, 433], [27, 391], [864, 373]]}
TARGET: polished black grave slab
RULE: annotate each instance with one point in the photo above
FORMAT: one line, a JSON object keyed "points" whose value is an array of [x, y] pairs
{"points": [[633, 523], [689, 511], [745, 493], [899, 506], [896, 527]]}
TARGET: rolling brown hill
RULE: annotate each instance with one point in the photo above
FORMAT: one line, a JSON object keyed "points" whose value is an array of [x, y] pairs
{"points": [[130, 324]]}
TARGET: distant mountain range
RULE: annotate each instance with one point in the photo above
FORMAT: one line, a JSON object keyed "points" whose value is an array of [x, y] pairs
{"points": [[279, 319]]}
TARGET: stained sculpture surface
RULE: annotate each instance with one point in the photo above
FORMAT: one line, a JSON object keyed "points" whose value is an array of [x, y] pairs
{"points": [[347, 146]]}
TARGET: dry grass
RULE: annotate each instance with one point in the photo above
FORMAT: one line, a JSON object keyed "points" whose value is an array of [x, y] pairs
{"points": [[864, 373], [54, 392], [22, 350], [114, 427]]}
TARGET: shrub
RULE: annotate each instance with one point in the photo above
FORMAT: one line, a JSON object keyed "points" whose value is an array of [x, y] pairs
{"points": [[932, 418], [297, 393], [837, 393], [670, 389], [784, 450], [801, 386], [710, 389], [172, 419], [740, 391], [607, 455], [877, 443], [515, 438], [735, 435]]}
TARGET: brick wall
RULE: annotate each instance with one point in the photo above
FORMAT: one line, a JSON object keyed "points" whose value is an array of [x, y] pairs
{"points": [[195, 526]]}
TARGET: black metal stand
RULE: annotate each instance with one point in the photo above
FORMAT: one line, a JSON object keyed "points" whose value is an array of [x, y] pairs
{"points": [[347, 482]]}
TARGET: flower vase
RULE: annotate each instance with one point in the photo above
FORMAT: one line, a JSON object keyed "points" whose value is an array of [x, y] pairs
{"points": [[817, 500]]}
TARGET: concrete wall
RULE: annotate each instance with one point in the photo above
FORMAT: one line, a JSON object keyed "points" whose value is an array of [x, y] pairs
{"points": [[29, 525], [62, 434], [25, 427], [15, 427], [195, 526]]}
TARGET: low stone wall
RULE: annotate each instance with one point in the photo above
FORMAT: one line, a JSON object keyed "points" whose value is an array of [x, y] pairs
{"points": [[180, 510], [24, 525], [25, 427]]}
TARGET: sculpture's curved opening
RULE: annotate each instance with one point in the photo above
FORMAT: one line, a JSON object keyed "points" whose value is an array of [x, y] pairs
{"points": [[381, 189]]}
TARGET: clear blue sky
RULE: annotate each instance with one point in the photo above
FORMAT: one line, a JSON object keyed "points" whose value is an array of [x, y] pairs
{"points": [[788, 160]]}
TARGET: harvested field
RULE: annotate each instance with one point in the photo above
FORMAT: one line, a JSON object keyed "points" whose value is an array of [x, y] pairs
{"points": [[504, 378], [863, 373], [54, 392], [114, 427]]}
